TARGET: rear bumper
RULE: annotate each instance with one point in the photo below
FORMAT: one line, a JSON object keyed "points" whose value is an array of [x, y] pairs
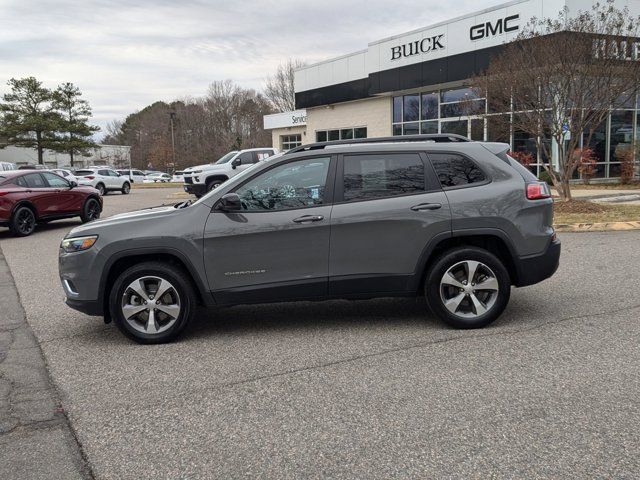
{"points": [[537, 268]]}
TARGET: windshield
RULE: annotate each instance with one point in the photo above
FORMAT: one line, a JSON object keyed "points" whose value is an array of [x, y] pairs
{"points": [[227, 158]]}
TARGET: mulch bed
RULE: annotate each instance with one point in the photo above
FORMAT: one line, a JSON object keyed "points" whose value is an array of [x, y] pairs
{"points": [[578, 206]]}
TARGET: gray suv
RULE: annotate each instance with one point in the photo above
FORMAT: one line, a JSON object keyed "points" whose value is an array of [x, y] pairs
{"points": [[457, 221]]}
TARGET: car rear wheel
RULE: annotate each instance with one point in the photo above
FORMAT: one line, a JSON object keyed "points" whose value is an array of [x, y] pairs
{"points": [[90, 211], [126, 188], [101, 189], [23, 222], [468, 287], [152, 302]]}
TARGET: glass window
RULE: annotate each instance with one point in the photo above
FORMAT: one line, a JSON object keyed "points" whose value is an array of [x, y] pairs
{"points": [[429, 106], [397, 109], [411, 128], [104, 173], [411, 108], [21, 182], [360, 132], [621, 143], [334, 134], [498, 128], [321, 136], [429, 127], [293, 185], [454, 170], [35, 180], [287, 142], [397, 130], [451, 110], [458, 94], [378, 176], [246, 158], [346, 134], [55, 181], [477, 129], [459, 127]]}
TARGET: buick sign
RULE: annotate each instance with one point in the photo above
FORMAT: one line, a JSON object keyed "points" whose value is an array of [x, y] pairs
{"points": [[425, 45]]}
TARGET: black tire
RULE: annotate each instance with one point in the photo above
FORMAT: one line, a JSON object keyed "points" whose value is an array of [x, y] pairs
{"points": [[90, 210], [177, 277], [214, 184], [435, 292], [126, 188], [23, 222], [101, 190]]}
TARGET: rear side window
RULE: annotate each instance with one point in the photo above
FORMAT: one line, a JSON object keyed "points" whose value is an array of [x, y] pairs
{"points": [[455, 170], [384, 175]]}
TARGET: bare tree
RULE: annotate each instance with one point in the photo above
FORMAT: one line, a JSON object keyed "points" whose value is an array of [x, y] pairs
{"points": [[560, 80], [279, 88]]}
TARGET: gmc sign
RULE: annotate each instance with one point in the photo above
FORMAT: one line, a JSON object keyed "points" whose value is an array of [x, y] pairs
{"points": [[489, 29]]}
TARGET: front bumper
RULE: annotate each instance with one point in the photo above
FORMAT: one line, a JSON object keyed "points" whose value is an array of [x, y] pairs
{"points": [[195, 188], [536, 268]]}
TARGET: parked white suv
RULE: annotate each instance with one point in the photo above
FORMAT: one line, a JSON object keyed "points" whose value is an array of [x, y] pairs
{"points": [[203, 178], [64, 173], [134, 176], [103, 179]]}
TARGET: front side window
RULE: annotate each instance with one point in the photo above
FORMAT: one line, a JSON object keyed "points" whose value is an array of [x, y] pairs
{"points": [[246, 158], [377, 176], [35, 180], [55, 181], [292, 185], [455, 170]]}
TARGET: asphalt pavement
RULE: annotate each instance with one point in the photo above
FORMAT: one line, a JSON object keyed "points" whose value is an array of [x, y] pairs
{"points": [[366, 389]]}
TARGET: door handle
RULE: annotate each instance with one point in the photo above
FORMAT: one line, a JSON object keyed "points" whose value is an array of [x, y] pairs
{"points": [[308, 218], [426, 206]]}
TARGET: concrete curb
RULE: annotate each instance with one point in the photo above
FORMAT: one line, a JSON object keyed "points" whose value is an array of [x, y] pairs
{"points": [[597, 227]]}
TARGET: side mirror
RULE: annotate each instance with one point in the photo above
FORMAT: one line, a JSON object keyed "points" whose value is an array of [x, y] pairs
{"points": [[230, 202], [236, 163], [73, 183]]}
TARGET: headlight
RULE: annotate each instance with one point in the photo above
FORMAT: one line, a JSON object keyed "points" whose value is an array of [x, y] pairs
{"points": [[78, 244]]}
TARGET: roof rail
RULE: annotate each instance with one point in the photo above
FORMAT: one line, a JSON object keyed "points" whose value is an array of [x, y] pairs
{"points": [[435, 137]]}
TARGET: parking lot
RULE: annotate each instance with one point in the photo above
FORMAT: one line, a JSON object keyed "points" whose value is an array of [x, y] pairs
{"points": [[366, 389]]}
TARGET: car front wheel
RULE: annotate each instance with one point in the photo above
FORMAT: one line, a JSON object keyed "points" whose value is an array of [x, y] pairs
{"points": [[152, 302], [90, 211], [126, 188], [468, 287]]}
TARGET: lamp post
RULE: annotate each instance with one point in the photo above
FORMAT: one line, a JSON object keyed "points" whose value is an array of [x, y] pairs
{"points": [[172, 116]]}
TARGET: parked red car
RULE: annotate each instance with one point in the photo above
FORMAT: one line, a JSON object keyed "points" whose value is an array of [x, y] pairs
{"points": [[28, 197]]}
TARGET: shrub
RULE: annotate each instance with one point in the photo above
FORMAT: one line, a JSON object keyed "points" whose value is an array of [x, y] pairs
{"points": [[545, 177], [586, 160], [627, 167], [525, 158]]}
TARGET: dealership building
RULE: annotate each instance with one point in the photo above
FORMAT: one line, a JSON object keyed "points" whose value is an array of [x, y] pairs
{"points": [[417, 82]]}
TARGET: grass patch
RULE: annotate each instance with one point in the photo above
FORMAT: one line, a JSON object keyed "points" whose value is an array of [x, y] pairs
{"points": [[581, 211], [607, 186]]}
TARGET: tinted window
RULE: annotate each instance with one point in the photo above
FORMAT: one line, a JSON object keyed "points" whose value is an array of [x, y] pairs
{"points": [[55, 181], [454, 170], [85, 172], [246, 158], [103, 172], [293, 185], [21, 182], [377, 176], [34, 180]]}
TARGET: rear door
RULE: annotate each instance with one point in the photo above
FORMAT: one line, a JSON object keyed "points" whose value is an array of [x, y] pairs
{"points": [[277, 246], [389, 206]]}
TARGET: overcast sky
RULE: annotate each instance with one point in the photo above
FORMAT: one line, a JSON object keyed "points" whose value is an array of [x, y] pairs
{"points": [[125, 55]]}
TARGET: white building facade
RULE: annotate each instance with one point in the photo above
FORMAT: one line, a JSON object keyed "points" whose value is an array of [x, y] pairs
{"points": [[117, 156], [417, 82]]}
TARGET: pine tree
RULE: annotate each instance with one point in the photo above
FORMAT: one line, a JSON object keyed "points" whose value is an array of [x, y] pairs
{"points": [[75, 133], [27, 116]]}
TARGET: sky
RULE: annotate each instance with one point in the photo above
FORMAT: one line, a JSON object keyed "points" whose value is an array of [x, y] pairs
{"points": [[124, 55]]}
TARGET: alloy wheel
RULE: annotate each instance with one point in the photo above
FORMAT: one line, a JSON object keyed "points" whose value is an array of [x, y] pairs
{"points": [[469, 289], [150, 305], [93, 210], [26, 221]]}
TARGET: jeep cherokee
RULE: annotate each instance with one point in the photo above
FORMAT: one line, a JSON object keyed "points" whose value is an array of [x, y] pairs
{"points": [[457, 221]]}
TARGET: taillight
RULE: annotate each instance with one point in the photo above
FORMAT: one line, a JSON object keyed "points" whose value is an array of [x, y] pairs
{"points": [[538, 191], [90, 177]]}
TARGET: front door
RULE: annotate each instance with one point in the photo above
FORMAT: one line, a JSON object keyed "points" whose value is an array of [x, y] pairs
{"points": [[388, 208], [277, 246], [62, 198]]}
